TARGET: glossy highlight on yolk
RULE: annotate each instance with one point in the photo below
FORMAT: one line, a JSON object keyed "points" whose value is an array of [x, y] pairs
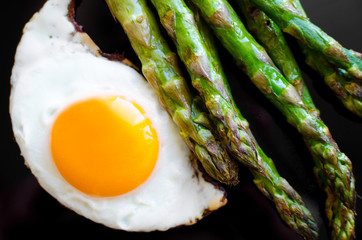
{"points": [[104, 146]]}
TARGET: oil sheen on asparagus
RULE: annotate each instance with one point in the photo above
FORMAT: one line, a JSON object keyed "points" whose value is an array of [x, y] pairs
{"points": [[269, 35]]}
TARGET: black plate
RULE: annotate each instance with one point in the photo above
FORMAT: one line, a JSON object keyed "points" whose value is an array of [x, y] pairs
{"points": [[27, 209]]}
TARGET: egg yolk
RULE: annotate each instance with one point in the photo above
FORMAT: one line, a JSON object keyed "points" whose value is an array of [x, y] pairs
{"points": [[104, 146]]}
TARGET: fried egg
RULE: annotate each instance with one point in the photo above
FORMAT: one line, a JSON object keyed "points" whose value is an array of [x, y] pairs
{"points": [[93, 133]]}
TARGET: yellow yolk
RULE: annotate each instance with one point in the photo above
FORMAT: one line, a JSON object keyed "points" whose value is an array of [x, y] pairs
{"points": [[104, 146]]}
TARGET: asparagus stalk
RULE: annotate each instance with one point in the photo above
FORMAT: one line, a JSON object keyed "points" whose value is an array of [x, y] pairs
{"points": [[329, 160], [271, 37], [196, 49], [295, 23], [160, 67]]}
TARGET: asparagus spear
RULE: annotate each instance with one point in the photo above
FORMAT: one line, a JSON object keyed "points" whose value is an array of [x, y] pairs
{"points": [[160, 67], [271, 37], [329, 160], [297, 216], [340, 217], [294, 22], [196, 49]]}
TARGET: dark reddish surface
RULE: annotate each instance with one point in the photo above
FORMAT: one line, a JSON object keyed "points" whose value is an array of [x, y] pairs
{"points": [[27, 210]]}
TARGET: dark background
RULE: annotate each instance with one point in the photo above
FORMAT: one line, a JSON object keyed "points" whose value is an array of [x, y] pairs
{"points": [[27, 209]]}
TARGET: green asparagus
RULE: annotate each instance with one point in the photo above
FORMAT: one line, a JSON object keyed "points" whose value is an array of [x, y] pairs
{"points": [[347, 89], [341, 218], [329, 160], [179, 22], [160, 67], [196, 49], [270, 36], [294, 22]]}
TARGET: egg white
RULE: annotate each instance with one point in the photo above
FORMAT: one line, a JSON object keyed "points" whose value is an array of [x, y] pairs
{"points": [[54, 68]]}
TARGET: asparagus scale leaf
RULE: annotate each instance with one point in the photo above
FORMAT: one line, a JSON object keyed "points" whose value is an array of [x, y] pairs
{"points": [[160, 67], [271, 37], [253, 59], [196, 49]]}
